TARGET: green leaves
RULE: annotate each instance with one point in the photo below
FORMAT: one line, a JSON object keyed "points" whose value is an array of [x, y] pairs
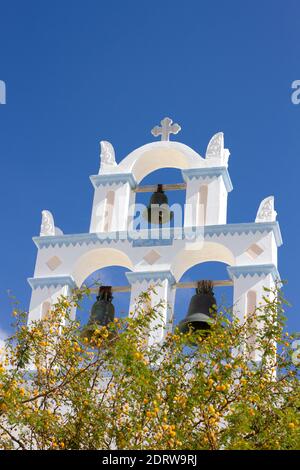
{"points": [[61, 390]]}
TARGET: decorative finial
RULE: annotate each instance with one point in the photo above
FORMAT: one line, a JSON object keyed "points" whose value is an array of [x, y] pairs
{"points": [[107, 156], [215, 148], [167, 128], [266, 211], [47, 227]]}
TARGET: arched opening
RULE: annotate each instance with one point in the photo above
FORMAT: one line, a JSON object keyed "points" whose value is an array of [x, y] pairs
{"points": [[108, 276], [200, 271], [176, 198], [96, 259], [204, 252], [102, 266]]}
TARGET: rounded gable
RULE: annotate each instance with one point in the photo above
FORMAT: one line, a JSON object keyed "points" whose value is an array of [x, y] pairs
{"points": [[156, 155]]}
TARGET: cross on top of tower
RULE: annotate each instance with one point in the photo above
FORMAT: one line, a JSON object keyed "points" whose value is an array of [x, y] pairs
{"points": [[167, 128]]}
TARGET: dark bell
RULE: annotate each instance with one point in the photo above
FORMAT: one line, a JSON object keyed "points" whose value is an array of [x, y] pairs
{"points": [[103, 311], [202, 309], [158, 211]]}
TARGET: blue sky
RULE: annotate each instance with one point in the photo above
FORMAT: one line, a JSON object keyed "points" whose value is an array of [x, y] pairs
{"points": [[80, 72]]}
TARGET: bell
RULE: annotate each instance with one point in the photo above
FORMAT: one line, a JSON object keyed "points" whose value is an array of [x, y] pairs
{"points": [[202, 309], [103, 311], [160, 212]]}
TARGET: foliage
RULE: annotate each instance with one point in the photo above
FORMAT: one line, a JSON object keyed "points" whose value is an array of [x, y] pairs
{"points": [[61, 391]]}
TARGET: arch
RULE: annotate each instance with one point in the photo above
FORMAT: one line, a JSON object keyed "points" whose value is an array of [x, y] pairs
{"points": [[204, 270], [157, 155], [97, 259], [109, 275], [208, 251]]}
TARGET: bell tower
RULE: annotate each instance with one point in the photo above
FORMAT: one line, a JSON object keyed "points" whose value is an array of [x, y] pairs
{"points": [[160, 254]]}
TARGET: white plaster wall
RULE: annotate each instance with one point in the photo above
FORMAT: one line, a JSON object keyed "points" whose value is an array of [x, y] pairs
{"points": [[163, 293], [123, 199], [266, 241], [79, 260], [98, 209], [191, 198], [244, 284], [216, 212], [216, 208], [41, 295], [119, 216]]}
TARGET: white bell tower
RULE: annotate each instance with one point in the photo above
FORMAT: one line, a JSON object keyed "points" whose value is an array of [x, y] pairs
{"points": [[160, 256]]}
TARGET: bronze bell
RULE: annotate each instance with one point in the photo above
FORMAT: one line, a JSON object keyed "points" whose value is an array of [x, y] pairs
{"points": [[202, 309], [160, 212], [103, 311]]}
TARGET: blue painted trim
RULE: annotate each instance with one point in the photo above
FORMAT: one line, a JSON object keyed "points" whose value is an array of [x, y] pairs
{"points": [[152, 242], [158, 233], [156, 242], [149, 276], [253, 270], [217, 171], [245, 228], [54, 281], [209, 231], [113, 178], [80, 239], [175, 233]]}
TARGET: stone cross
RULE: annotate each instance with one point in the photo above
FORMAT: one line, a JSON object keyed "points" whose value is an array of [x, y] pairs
{"points": [[166, 129]]}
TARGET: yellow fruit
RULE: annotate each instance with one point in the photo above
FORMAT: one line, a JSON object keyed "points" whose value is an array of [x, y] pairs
{"points": [[3, 407]]}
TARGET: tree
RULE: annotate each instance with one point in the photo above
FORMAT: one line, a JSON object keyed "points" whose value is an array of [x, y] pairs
{"points": [[62, 390]]}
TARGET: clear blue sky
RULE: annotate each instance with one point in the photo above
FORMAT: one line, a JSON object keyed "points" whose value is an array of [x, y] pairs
{"points": [[80, 72]]}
